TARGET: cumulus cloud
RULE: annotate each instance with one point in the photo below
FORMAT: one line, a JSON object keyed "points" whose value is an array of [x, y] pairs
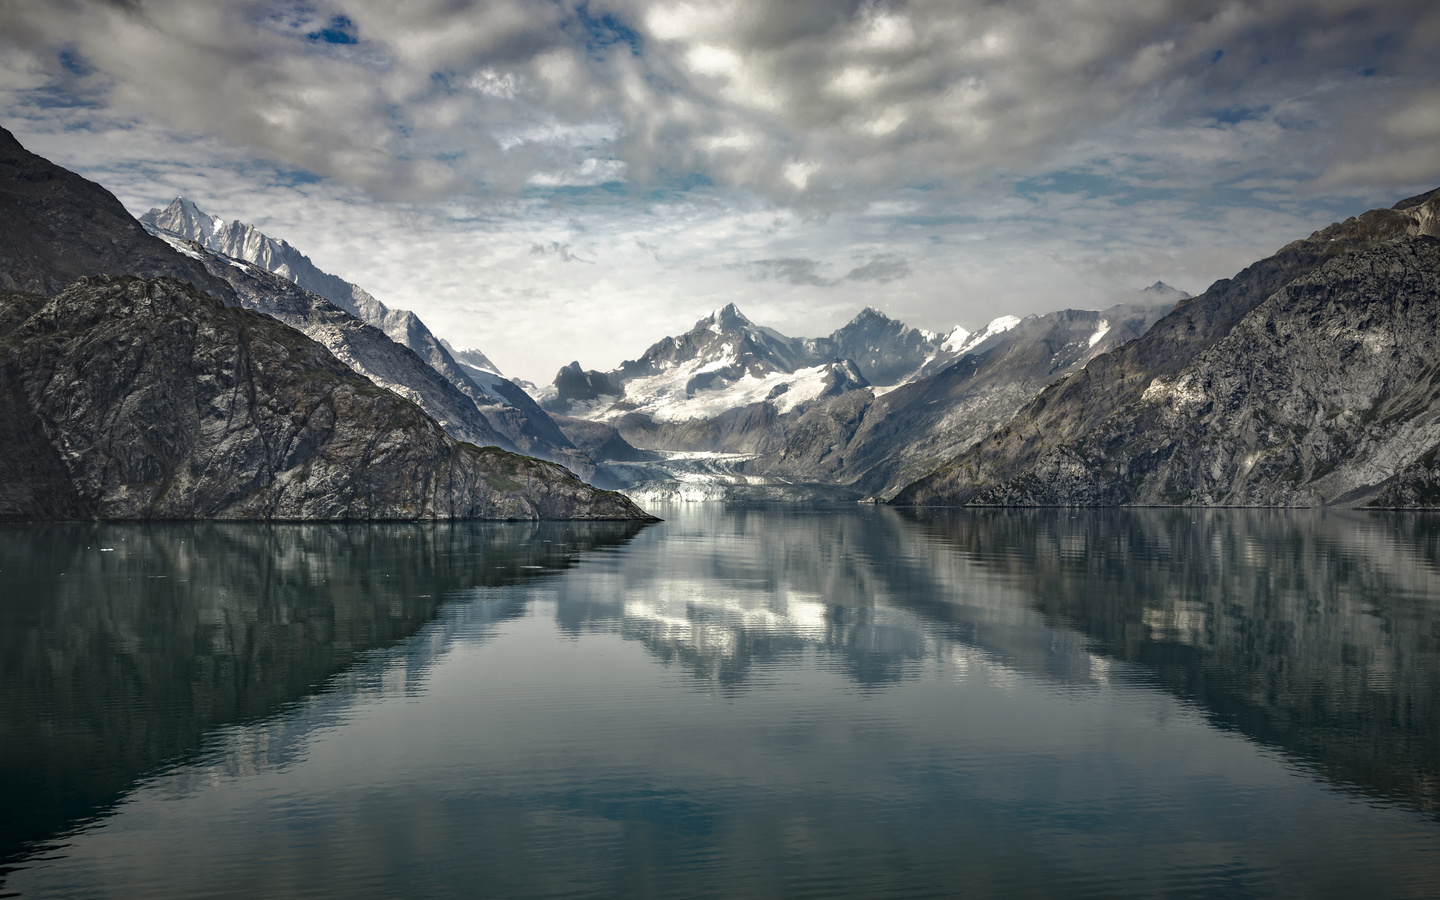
{"points": [[945, 160], [818, 102]]}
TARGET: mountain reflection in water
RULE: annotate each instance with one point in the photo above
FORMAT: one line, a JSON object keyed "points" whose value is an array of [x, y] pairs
{"points": [[759, 702], [122, 645], [1316, 632]]}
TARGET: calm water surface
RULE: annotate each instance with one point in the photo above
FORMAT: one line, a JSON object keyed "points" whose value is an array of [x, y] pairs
{"points": [[1158, 703]]}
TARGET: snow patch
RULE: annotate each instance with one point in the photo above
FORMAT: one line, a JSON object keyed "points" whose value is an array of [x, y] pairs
{"points": [[663, 395], [182, 246], [961, 342], [1100, 332]]}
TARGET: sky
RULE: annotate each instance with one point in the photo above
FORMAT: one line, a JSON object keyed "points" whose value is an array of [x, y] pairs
{"points": [[551, 180]]}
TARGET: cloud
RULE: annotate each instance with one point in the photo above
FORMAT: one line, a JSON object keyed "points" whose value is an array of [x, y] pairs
{"points": [[790, 271], [944, 160], [882, 268], [821, 104], [558, 250]]}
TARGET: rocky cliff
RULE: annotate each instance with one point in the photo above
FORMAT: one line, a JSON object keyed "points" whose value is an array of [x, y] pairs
{"points": [[124, 398], [56, 226], [1305, 380]]}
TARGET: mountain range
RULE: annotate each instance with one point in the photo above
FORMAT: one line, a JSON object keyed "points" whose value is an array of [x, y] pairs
{"points": [[134, 385], [741, 410], [1308, 379], [281, 281]]}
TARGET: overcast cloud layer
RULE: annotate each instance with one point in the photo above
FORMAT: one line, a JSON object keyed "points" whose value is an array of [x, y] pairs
{"points": [[556, 180]]}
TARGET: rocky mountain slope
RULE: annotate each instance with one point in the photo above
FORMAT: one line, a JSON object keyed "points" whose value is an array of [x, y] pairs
{"points": [[124, 398], [365, 349], [885, 350], [878, 442], [507, 409], [1305, 380], [56, 226]]}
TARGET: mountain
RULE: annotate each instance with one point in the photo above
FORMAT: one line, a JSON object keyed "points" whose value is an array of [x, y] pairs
{"points": [[237, 240], [727, 361], [57, 226], [125, 398], [724, 363], [1307, 379], [365, 349], [68, 451], [885, 350], [878, 442], [471, 359], [732, 409], [512, 418]]}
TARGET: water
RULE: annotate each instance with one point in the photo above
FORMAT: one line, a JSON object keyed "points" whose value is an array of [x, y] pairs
{"points": [[787, 703]]}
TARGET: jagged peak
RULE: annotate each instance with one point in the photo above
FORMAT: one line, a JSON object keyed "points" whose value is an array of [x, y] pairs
{"points": [[727, 315]]}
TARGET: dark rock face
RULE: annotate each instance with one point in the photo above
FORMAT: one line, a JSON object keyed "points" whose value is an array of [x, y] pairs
{"points": [[885, 351], [365, 349], [601, 441], [56, 226], [576, 385], [155, 401], [1305, 380]]}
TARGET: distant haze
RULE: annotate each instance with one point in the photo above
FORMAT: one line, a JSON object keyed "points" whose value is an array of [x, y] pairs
{"points": [[550, 181]]}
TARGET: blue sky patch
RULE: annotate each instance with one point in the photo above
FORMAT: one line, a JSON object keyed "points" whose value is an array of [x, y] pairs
{"points": [[72, 62], [1234, 115], [606, 31], [340, 31]]}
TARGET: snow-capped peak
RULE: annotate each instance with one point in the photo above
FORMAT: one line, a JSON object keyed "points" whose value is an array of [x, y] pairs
{"points": [[956, 340], [968, 342], [726, 317]]}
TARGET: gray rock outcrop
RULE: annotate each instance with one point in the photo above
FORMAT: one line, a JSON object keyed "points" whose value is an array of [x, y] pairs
{"points": [[878, 444]]}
